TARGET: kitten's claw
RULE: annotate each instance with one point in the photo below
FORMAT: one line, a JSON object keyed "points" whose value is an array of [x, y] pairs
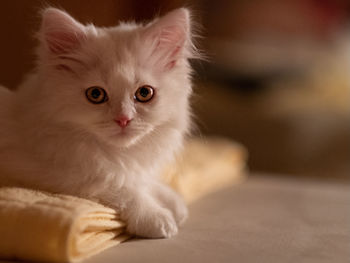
{"points": [[156, 224]]}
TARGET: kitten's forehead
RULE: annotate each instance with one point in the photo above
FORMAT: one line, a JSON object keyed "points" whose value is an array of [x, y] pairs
{"points": [[117, 52]]}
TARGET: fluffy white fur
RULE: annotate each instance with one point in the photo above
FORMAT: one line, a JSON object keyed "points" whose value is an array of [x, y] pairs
{"points": [[52, 138]]}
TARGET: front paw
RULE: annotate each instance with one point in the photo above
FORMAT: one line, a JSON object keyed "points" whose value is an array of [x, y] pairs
{"points": [[158, 223], [168, 198]]}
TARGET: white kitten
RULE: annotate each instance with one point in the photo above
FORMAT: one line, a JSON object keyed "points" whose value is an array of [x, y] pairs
{"points": [[102, 113]]}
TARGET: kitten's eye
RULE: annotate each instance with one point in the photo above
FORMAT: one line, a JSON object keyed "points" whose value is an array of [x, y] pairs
{"points": [[96, 95], [144, 93]]}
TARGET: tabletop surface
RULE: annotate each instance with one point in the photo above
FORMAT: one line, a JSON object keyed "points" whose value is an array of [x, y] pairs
{"points": [[264, 219]]}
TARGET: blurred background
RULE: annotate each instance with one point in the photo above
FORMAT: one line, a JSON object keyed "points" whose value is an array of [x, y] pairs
{"points": [[276, 80]]}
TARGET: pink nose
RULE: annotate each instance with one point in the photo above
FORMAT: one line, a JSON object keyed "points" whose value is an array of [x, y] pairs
{"points": [[123, 121]]}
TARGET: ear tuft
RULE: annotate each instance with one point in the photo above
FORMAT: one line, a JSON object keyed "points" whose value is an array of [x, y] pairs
{"points": [[174, 28], [60, 33], [170, 36]]}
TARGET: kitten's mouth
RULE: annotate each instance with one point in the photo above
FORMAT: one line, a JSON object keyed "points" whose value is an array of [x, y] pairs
{"points": [[125, 137], [129, 135], [123, 132]]}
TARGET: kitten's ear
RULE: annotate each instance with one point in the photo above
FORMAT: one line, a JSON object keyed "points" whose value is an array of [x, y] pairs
{"points": [[170, 37], [59, 32]]}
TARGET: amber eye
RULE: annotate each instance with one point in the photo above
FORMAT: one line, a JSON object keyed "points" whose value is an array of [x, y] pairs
{"points": [[96, 95], [144, 93]]}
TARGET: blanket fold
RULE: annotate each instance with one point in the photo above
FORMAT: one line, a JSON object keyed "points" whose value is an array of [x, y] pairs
{"points": [[58, 228], [39, 226]]}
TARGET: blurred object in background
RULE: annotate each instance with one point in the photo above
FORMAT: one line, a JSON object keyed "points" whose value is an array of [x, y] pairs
{"points": [[271, 36], [277, 80], [279, 83]]}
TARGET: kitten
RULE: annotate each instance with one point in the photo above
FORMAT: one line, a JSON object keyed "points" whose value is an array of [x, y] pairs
{"points": [[101, 114]]}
